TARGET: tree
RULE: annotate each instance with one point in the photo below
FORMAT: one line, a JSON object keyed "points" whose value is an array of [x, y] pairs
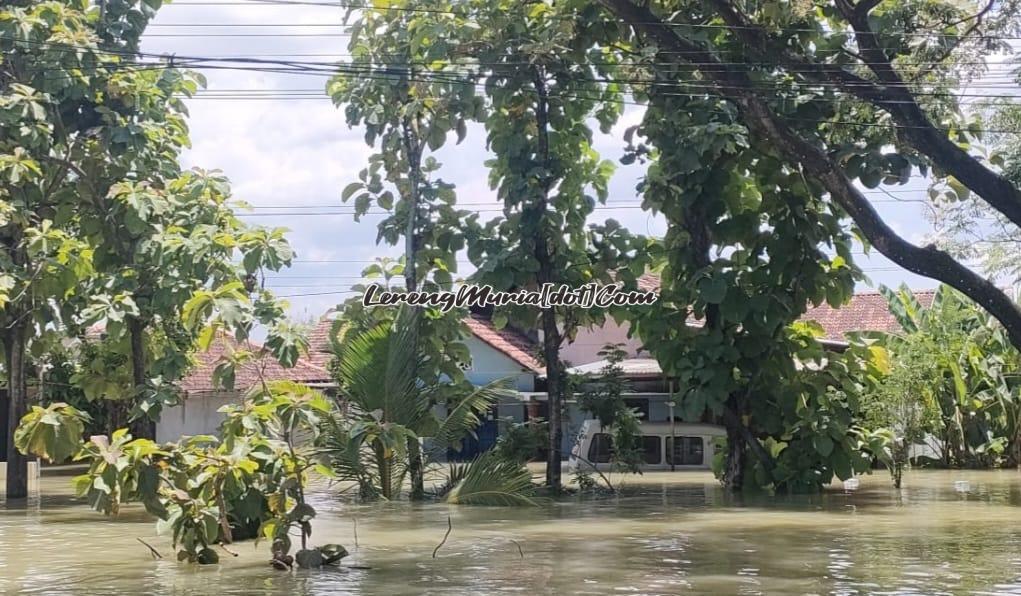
{"points": [[540, 102], [51, 111], [601, 395], [409, 108], [829, 88], [953, 384], [744, 256], [158, 242], [99, 219]]}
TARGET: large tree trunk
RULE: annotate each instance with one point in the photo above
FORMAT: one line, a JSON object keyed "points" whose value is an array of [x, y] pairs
{"points": [[142, 427], [741, 441], [413, 148], [554, 393], [17, 389], [551, 338], [733, 469]]}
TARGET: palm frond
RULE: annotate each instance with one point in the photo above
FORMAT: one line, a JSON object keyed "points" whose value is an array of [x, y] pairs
{"points": [[348, 457], [492, 480], [404, 402], [361, 362], [377, 371], [464, 417]]}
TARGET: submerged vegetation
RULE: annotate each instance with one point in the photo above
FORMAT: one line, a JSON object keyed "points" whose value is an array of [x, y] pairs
{"points": [[601, 396], [757, 124], [385, 405], [952, 395], [205, 490]]}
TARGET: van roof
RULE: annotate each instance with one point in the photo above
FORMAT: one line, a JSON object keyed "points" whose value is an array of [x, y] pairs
{"points": [[663, 428]]}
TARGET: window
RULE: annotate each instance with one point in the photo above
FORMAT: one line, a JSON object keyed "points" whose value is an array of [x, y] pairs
{"points": [[687, 451], [599, 449], [640, 405], [652, 449]]}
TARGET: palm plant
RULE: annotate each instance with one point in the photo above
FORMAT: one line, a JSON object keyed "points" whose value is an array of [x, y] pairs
{"points": [[386, 407]]}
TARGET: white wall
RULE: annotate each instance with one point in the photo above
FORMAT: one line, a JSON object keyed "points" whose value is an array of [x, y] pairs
{"points": [[195, 415], [489, 364], [585, 347]]}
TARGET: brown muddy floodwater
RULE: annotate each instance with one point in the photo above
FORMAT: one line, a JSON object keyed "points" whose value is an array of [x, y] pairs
{"points": [[665, 534]]}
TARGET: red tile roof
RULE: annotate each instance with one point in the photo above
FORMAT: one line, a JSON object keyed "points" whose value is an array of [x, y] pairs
{"points": [[508, 342], [516, 346], [200, 378], [319, 352], [648, 282], [867, 311]]}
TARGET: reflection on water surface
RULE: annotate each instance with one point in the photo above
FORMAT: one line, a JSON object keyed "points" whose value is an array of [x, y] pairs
{"points": [[665, 534]]}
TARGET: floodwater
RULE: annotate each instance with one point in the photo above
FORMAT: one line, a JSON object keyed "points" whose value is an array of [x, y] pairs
{"points": [[664, 534]]}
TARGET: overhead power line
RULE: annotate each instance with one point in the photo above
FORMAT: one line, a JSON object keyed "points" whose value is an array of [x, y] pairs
{"points": [[388, 72], [392, 7], [848, 34]]}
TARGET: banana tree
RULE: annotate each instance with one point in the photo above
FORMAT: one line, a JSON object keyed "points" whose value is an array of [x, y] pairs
{"points": [[958, 366]]}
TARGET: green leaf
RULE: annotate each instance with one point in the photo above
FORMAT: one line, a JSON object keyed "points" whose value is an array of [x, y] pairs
{"points": [[713, 289], [823, 444], [350, 190]]}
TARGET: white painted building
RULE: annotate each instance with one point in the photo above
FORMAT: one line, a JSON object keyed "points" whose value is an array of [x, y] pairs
{"points": [[197, 414]]}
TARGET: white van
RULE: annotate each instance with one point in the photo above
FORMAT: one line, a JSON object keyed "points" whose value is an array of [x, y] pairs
{"points": [[684, 446]]}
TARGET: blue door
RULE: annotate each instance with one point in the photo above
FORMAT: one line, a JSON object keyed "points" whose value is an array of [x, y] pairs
{"points": [[485, 439]]}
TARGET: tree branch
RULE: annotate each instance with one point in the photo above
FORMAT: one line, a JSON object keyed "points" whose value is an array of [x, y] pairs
{"points": [[865, 6], [892, 96], [977, 17], [760, 119]]}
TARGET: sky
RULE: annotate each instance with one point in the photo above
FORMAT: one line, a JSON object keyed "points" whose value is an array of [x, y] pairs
{"points": [[298, 155]]}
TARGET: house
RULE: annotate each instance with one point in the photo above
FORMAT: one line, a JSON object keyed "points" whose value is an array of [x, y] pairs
{"points": [[200, 397], [495, 354], [651, 391], [867, 311]]}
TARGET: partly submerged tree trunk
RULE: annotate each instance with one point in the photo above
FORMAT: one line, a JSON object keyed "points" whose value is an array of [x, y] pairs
{"points": [[554, 395], [551, 338], [383, 465], [733, 470], [17, 391], [413, 148], [142, 427], [741, 441], [416, 470]]}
